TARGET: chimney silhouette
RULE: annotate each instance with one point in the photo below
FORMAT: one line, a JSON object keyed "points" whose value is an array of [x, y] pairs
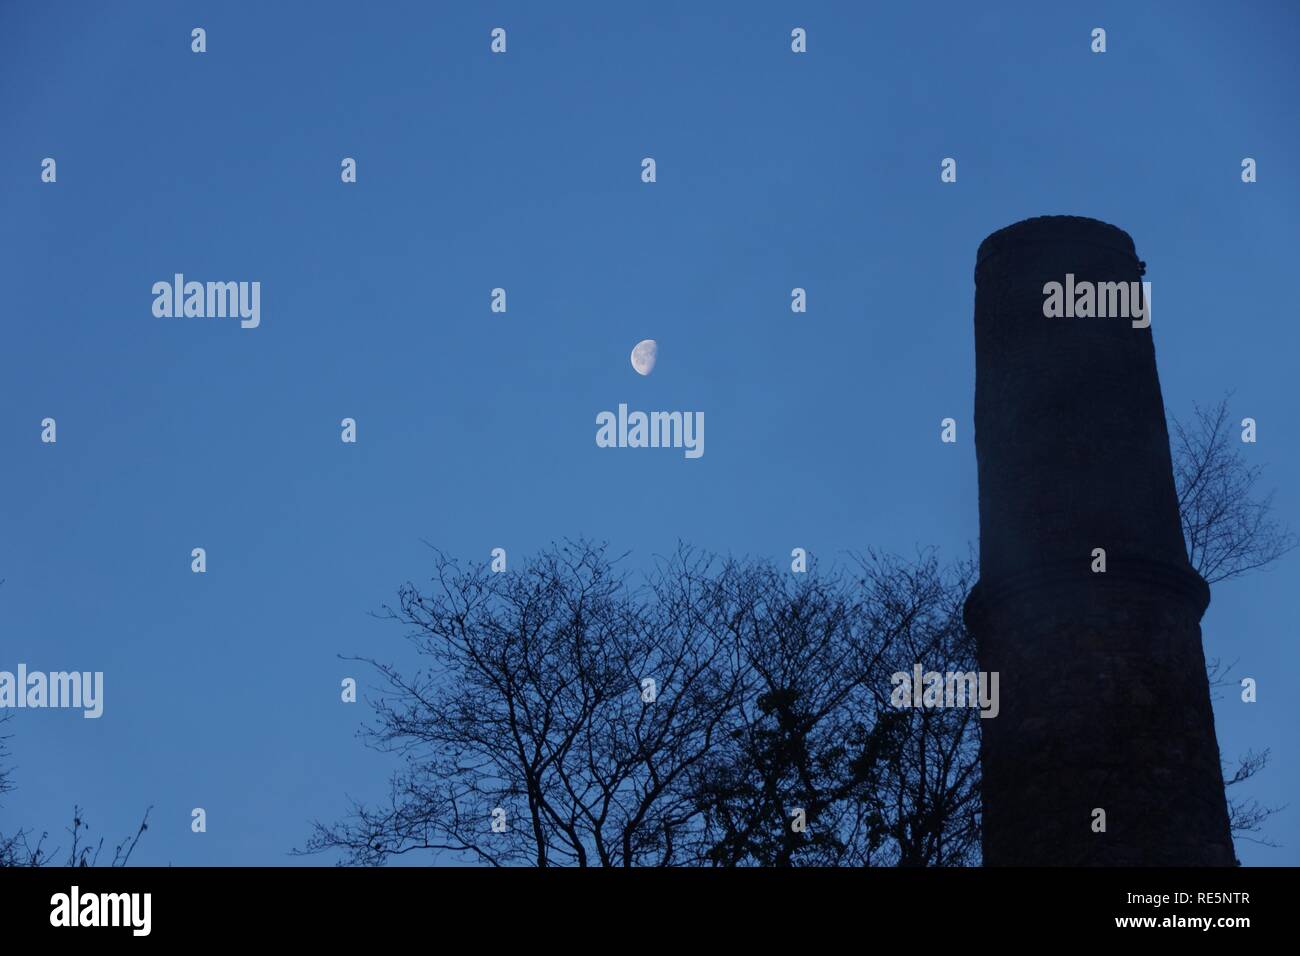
{"points": [[1105, 703]]}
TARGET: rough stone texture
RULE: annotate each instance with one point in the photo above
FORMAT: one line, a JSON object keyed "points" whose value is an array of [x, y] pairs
{"points": [[1104, 697]]}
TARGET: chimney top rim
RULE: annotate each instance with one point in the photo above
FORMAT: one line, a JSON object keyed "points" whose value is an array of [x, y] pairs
{"points": [[1056, 229]]}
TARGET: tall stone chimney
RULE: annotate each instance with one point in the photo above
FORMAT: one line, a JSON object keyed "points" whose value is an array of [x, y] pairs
{"points": [[1104, 698]]}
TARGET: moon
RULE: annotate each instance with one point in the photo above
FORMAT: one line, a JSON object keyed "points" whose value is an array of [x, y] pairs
{"points": [[644, 356]]}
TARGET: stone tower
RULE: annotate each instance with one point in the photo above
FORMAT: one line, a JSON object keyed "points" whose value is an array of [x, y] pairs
{"points": [[1104, 697]]}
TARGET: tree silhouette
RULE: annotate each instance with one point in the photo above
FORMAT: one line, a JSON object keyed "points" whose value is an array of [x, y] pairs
{"points": [[770, 699], [530, 714], [876, 785], [1230, 530], [1227, 522], [770, 702], [23, 848]]}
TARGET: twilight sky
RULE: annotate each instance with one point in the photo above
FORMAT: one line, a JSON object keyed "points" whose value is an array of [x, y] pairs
{"points": [[476, 429]]}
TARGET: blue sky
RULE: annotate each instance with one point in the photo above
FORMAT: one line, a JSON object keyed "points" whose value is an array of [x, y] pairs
{"points": [[476, 429]]}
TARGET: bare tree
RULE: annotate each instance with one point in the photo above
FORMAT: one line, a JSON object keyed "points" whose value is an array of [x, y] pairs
{"points": [[13, 848], [792, 780], [1228, 523], [1230, 529], [5, 783], [933, 781], [769, 702], [1246, 815], [818, 738], [23, 848], [534, 714]]}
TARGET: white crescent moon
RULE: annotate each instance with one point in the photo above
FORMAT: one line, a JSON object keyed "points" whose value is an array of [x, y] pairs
{"points": [[644, 356]]}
